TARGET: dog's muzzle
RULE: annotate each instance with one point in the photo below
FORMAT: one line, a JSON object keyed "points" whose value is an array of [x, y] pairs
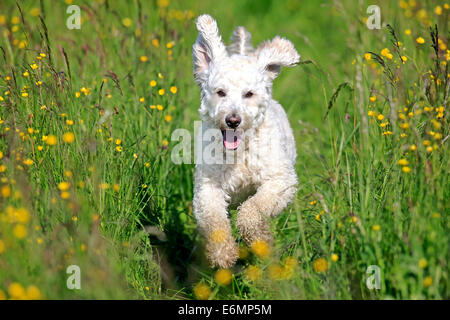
{"points": [[231, 136]]}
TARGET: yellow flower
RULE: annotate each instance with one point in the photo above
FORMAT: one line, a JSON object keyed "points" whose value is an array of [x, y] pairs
{"points": [[423, 263], [153, 83], [119, 149], [63, 186], [404, 59], [116, 187], [68, 137], [22, 215], [163, 3], [16, 291], [25, 94], [386, 53], [367, 56], [260, 248], [2, 246], [438, 10], [173, 89], [242, 253], [290, 262], [168, 118], [159, 107], [118, 142], [413, 147], [253, 273], [223, 276], [65, 195], [373, 98], [143, 58], [34, 66], [33, 293], [426, 142], [155, 42], [404, 125], [428, 281], [218, 235], [370, 113], [20, 231], [406, 169], [202, 291], [69, 122], [28, 162], [51, 140], [5, 191], [403, 162], [420, 40], [103, 186], [334, 257], [127, 22], [408, 32], [320, 265], [376, 227], [161, 92], [380, 117]]}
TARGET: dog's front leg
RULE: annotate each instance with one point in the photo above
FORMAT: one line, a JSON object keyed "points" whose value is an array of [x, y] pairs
{"points": [[269, 200], [210, 209]]}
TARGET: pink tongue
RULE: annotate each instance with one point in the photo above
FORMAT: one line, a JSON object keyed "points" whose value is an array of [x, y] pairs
{"points": [[231, 139]]}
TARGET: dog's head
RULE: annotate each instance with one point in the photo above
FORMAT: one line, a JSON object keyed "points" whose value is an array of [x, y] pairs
{"points": [[236, 82]]}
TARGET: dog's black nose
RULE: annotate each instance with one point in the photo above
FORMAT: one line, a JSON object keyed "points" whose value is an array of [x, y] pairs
{"points": [[233, 120]]}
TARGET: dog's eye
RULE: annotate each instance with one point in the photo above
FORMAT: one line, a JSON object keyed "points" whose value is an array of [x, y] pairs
{"points": [[248, 94], [221, 93]]}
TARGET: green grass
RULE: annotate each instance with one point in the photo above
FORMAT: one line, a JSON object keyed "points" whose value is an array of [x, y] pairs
{"points": [[126, 219]]}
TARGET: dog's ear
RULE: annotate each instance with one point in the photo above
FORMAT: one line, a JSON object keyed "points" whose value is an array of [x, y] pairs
{"points": [[276, 53], [241, 42], [208, 48]]}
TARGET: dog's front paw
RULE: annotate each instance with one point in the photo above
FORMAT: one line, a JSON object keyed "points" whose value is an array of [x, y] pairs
{"points": [[252, 224], [221, 249]]}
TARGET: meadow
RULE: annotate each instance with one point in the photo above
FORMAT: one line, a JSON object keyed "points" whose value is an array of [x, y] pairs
{"points": [[86, 176]]}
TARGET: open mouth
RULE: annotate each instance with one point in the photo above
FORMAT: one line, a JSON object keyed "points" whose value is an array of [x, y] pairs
{"points": [[231, 139]]}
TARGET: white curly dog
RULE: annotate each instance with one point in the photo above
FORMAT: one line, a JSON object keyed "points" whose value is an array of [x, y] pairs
{"points": [[254, 132]]}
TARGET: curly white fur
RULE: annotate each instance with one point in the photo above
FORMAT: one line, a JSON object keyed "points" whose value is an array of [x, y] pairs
{"points": [[261, 178]]}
